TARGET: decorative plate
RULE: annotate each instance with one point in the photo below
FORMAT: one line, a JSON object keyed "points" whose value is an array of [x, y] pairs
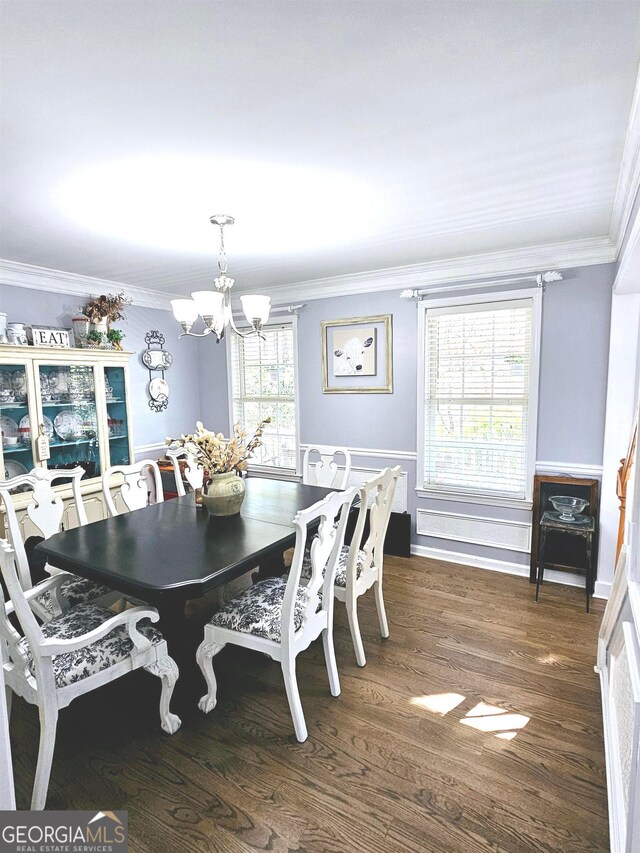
{"points": [[8, 427], [14, 469], [158, 359], [158, 389], [25, 429], [68, 425]]}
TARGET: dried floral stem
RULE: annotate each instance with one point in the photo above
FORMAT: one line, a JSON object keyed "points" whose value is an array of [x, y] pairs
{"points": [[218, 454]]}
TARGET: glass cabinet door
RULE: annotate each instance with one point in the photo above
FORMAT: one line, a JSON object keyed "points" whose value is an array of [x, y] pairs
{"points": [[17, 448], [117, 419], [68, 396]]}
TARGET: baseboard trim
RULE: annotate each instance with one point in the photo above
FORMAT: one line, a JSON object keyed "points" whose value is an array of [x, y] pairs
{"points": [[504, 567]]}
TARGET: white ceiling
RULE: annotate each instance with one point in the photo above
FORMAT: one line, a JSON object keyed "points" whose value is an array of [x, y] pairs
{"points": [[343, 136]]}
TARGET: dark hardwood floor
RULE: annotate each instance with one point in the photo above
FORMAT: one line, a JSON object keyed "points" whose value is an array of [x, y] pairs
{"points": [[389, 765]]}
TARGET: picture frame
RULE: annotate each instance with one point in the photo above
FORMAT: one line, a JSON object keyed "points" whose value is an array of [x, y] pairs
{"points": [[558, 553], [357, 355]]}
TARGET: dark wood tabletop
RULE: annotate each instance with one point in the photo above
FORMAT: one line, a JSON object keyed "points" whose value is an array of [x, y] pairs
{"points": [[175, 550]]}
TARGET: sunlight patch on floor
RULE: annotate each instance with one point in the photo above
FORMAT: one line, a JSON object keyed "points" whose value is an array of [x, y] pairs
{"points": [[483, 717], [438, 703]]}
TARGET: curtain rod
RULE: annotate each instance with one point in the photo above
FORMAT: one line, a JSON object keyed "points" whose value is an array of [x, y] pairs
{"points": [[541, 279]]}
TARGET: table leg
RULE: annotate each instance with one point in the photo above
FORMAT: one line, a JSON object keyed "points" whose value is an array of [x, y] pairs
{"points": [[540, 572], [183, 637], [589, 581]]}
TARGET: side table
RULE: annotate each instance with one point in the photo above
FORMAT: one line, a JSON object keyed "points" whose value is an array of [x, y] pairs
{"points": [[584, 525]]}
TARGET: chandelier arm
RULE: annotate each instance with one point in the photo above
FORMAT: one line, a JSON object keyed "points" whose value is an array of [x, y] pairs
{"points": [[196, 334]]}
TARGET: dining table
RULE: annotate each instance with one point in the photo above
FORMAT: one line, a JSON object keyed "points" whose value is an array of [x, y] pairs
{"points": [[172, 551]]}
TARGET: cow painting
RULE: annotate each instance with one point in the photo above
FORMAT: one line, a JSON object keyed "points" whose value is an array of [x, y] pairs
{"points": [[355, 357]]}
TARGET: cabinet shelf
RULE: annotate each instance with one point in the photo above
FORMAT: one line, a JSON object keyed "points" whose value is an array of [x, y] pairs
{"points": [[15, 448]]}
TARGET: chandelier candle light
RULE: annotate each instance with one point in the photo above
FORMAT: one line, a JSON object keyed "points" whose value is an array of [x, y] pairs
{"points": [[214, 306]]}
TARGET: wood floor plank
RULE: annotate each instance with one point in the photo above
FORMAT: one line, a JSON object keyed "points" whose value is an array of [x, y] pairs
{"points": [[380, 772]]}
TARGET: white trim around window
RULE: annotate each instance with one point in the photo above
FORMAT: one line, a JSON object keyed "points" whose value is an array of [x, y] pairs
{"points": [[453, 494], [271, 470]]}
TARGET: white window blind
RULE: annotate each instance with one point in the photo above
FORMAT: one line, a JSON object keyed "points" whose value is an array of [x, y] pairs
{"points": [[477, 381], [263, 379]]}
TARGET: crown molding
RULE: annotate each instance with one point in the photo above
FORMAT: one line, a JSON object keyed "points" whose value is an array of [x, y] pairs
{"points": [[40, 278], [629, 175], [566, 255], [575, 253]]}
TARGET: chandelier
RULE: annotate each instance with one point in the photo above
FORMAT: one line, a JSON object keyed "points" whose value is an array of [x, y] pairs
{"points": [[214, 306]]}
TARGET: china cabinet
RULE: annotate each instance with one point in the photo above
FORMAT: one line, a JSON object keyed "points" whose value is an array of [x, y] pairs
{"points": [[79, 398]]}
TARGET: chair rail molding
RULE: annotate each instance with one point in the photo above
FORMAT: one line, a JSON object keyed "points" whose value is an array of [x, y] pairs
{"points": [[373, 453], [572, 469]]}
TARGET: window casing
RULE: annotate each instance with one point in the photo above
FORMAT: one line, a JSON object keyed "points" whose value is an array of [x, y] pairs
{"points": [[477, 409], [263, 383]]}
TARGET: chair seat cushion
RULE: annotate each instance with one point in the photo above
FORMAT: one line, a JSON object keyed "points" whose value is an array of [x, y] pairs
{"points": [[258, 610], [74, 666], [76, 590], [341, 572]]}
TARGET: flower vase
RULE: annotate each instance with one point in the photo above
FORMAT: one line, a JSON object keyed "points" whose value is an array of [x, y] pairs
{"points": [[223, 494]]}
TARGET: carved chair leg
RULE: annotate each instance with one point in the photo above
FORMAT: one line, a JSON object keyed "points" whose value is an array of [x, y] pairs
{"points": [[330, 660], [354, 627], [293, 695], [48, 725], [206, 650], [382, 613], [166, 669]]}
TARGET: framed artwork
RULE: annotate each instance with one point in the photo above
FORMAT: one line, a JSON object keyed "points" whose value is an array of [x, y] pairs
{"points": [[560, 551], [357, 355]]}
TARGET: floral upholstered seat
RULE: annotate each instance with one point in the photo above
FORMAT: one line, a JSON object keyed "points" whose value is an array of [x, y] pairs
{"points": [[75, 590], [74, 666], [341, 572], [258, 610]]}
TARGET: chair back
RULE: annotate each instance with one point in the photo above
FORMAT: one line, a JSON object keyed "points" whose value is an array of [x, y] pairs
{"points": [[12, 654], [332, 513], [194, 470], [133, 491], [320, 466], [45, 509], [376, 499]]}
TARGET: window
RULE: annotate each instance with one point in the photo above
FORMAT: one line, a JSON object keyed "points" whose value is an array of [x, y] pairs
{"points": [[263, 384], [480, 364]]}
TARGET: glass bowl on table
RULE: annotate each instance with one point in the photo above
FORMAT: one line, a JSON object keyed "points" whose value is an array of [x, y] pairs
{"points": [[568, 507]]}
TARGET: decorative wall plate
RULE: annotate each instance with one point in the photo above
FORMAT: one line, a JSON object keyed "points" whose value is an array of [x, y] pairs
{"points": [[157, 359], [158, 388], [8, 427], [68, 425]]}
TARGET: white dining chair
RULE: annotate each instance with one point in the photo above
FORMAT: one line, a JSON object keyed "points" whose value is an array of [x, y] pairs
{"points": [[132, 491], [281, 618], [193, 470], [361, 567], [320, 466], [43, 517], [50, 665]]}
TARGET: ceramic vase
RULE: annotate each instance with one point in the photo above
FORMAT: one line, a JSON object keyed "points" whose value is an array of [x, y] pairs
{"points": [[223, 494]]}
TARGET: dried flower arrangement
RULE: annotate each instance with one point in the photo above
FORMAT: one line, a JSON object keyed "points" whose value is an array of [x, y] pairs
{"points": [[218, 454], [106, 307]]}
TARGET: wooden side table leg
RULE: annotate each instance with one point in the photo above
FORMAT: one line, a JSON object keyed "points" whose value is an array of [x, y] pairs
{"points": [[589, 581], [540, 572]]}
